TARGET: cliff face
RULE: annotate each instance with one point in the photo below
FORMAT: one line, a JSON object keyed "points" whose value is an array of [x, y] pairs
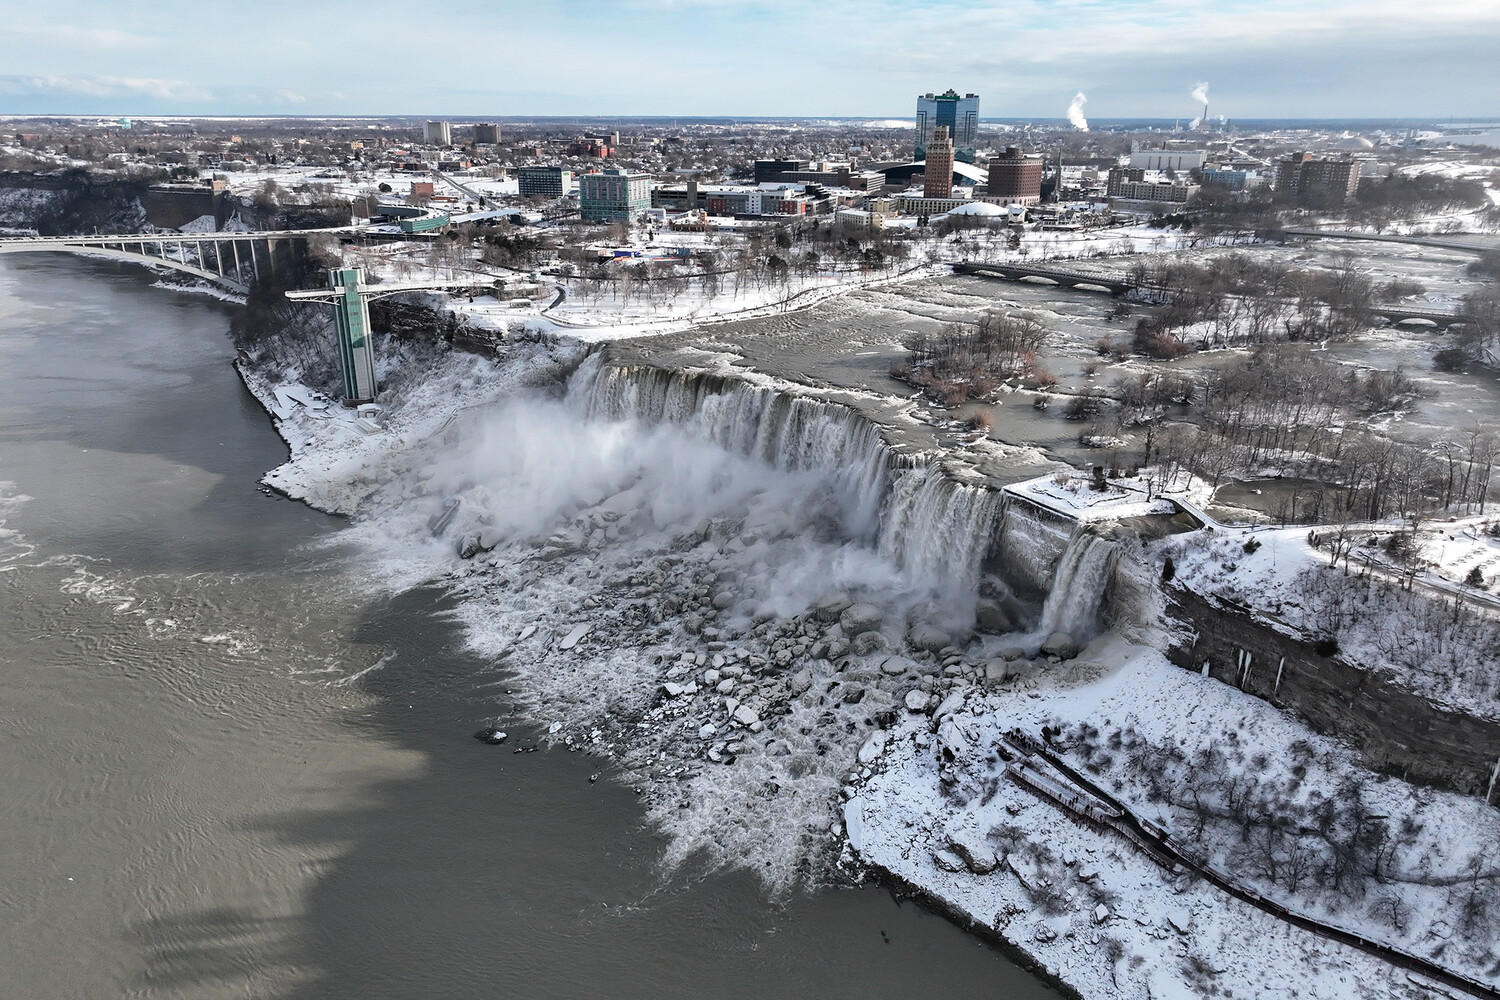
{"points": [[70, 202], [1399, 733]]}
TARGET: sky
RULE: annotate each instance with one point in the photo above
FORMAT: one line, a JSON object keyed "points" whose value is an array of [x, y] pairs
{"points": [[1439, 59]]}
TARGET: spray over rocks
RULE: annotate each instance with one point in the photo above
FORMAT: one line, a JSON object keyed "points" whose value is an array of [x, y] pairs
{"points": [[725, 588]]}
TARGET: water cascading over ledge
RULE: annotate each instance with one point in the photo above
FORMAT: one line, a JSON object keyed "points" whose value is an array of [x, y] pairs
{"points": [[908, 508]]}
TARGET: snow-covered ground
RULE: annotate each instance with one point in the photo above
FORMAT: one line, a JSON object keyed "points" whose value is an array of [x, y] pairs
{"points": [[1412, 637], [1095, 910]]}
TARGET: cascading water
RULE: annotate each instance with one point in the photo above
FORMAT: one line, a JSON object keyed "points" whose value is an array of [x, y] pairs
{"points": [[1078, 587], [936, 529]]}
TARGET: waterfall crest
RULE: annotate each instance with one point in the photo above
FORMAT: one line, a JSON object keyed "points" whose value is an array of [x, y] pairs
{"points": [[912, 512]]}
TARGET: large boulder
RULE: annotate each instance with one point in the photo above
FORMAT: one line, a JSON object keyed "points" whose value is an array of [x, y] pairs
{"points": [[1062, 646], [972, 847], [859, 618], [990, 616], [831, 606], [928, 637], [897, 665], [866, 643]]}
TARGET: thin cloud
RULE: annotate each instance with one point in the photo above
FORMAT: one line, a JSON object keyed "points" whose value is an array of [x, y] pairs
{"points": [[106, 86]]}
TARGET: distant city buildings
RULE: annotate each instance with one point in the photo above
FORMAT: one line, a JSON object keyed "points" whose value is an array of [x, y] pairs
{"points": [[959, 115], [1234, 180], [1302, 174], [1015, 178], [613, 195], [768, 171], [825, 173], [545, 182], [742, 201], [1177, 160], [594, 147], [1133, 189], [937, 175], [486, 134], [438, 134]]}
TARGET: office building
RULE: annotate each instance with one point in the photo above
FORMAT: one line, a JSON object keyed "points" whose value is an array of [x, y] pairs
{"points": [[438, 134], [545, 182], [959, 115], [1015, 177], [1234, 180], [769, 171], [488, 134], [937, 175], [613, 195], [1138, 190], [1301, 174]]}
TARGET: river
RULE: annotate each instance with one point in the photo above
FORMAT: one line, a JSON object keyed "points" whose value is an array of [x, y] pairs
{"points": [[235, 768]]}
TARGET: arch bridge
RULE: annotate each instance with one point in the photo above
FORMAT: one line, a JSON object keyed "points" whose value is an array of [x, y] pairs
{"points": [[231, 260]]}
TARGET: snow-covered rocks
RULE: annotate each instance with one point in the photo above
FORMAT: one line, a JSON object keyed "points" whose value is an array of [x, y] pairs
{"points": [[928, 637], [1062, 646], [970, 845], [896, 666], [831, 607], [861, 618], [874, 746], [990, 616]]}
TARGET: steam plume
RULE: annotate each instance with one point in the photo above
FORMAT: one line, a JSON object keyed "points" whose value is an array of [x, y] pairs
{"points": [[1075, 112], [1200, 92]]}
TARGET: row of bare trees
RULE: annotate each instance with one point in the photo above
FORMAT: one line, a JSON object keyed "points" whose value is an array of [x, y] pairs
{"points": [[1326, 843], [1283, 410], [1236, 300]]}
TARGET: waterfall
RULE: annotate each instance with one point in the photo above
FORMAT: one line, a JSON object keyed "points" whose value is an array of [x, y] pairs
{"points": [[938, 529], [912, 512], [1078, 586]]}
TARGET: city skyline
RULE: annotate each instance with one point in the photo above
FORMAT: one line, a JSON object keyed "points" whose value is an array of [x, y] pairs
{"points": [[1270, 59]]}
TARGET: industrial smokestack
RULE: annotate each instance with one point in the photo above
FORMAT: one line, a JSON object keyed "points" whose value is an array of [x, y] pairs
{"points": [[1075, 112], [1200, 95]]}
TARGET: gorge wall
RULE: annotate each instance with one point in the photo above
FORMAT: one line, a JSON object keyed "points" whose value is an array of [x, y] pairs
{"points": [[1399, 733]]}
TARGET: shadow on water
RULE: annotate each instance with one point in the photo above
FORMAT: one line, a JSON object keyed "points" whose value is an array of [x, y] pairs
{"points": [[486, 871]]}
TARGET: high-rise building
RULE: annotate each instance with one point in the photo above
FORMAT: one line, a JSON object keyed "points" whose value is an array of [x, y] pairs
{"points": [[960, 115], [548, 182], [438, 134], [1300, 174], [937, 175], [1015, 176], [487, 133], [613, 195]]}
